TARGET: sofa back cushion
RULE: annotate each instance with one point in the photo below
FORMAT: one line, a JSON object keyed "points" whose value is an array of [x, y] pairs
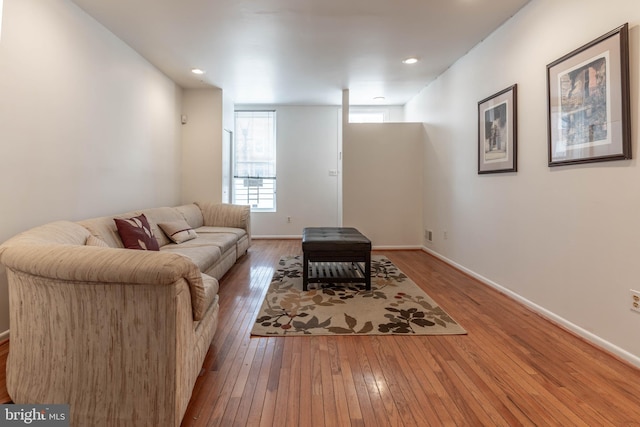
{"points": [[135, 233], [104, 228], [58, 232], [192, 214], [158, 215]]}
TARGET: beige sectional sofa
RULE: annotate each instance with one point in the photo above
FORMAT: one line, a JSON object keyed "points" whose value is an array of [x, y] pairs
{"points": [[118, 334]]}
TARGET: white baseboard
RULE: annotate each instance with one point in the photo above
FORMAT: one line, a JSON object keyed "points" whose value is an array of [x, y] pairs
{"points": [[379, 248], [4, 335], [396, 248], [588, 336], [278, 237]]}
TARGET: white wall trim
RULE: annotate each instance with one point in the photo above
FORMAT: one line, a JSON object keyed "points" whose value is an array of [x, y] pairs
{"points": [[592, 338], [397, 248], [276, 237], [375, 248], [4, 335]]}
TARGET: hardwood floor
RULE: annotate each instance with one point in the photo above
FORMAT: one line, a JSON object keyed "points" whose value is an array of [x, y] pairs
{"points": [[4, 352], [513, 368]]}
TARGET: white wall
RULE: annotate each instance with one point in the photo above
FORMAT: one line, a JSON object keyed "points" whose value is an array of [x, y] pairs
{"points": [[202, 145], [228, 125], [392, 113], [307, 148], [396, 114], [382, 182], [565, 239], [87, 126]]}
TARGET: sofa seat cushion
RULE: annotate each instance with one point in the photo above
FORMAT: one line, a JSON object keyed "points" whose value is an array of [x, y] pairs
{"points": [[225, 241], [243, 245], [210, 286], [201, 253], [238, 232]]}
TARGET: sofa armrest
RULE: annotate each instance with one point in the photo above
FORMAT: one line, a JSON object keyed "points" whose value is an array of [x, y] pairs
{"points": [[226, 215], [117, 353], [107, 265]]}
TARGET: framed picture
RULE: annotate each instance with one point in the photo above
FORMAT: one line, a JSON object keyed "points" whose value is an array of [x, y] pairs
{"points": [[588, 102], [497, 132]]}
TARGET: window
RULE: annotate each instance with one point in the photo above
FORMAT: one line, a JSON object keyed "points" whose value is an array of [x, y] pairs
{"points": [[368, 115], [373, 117], [254, 178]]}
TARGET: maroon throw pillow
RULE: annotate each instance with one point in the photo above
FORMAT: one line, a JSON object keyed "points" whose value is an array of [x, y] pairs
{"points": [[136, 233]]}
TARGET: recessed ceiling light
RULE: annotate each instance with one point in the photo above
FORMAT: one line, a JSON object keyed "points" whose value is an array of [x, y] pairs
{"points": [[410, 61], [197, 71], [379, 98]]}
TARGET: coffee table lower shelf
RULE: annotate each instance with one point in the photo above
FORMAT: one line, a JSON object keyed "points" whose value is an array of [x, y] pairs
{"points": [[338, 272]]}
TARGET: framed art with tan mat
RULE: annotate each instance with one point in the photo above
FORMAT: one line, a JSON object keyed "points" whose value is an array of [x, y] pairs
{"points": [[588, 93]]}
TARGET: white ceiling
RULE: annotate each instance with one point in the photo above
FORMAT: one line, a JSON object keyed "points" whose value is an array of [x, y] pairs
{"points": [[303, 51]]}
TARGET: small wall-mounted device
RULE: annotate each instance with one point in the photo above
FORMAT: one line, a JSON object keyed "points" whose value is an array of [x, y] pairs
{"points": [[183, 119]]}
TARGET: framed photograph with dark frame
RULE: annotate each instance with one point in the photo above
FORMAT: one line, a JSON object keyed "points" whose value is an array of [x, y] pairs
{"points": [[497, 132], [588, 102]]}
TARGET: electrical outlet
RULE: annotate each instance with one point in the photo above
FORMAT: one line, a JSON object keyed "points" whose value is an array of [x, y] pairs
{"points": [[635, 300], [289, 219], [445, 234]]}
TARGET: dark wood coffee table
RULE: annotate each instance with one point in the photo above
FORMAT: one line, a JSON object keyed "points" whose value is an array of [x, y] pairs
{"points": [[335, 255]]}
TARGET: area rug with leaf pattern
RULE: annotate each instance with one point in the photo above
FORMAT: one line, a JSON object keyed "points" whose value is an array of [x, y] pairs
{"points": [[395, 305]]}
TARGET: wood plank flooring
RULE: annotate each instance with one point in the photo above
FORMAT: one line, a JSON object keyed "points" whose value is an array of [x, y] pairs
{"points": [[514, 368], [4, 352]]}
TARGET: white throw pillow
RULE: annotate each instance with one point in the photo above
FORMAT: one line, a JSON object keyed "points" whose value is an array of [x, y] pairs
{"points": [[178, 231]]}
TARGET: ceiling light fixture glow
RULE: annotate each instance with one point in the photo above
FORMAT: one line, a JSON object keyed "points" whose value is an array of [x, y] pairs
{"points": [[410, 61], [379, 98], [197, 71]]}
